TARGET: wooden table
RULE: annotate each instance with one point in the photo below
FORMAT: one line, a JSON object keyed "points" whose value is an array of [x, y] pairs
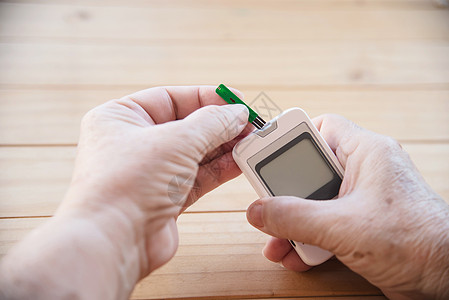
{"points": [[382, 63]]}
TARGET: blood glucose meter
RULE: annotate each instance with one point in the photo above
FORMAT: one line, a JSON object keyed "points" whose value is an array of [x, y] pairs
{"points": [[289, 157]]}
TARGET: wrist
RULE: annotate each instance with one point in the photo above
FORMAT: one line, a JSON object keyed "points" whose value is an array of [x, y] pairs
{"points": [[435, 278], [67, 257], [132, 222], [116, 218]]}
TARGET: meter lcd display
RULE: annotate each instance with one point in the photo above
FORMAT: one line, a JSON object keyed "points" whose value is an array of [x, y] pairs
{"points": [[299, 169]]}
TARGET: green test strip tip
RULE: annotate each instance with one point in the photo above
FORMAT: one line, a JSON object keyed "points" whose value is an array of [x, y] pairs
{"points": [[231, 98]]}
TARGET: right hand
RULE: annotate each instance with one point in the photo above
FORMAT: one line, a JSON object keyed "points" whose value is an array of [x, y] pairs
{"points": [[387, 225]]}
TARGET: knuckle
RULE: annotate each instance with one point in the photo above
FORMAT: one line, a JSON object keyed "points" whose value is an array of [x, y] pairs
{"points": [[214, 112], [95, 114], [279, 214], [223, 121], [90, 117], [162, 92], [388, 144], [334, 118], [392, 143], [331, 117]]}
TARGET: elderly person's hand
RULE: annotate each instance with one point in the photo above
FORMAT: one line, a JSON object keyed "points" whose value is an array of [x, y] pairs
{"points": [[141, 161], [387, 224]]}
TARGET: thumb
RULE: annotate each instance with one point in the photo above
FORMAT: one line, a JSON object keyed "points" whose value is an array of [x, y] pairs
{"points": [[308, 221], [212, 125]]}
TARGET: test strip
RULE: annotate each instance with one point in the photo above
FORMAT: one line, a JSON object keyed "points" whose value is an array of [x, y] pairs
{"points": [[231, 98]]}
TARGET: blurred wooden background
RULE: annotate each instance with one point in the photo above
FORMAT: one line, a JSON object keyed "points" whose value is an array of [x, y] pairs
{"points": [[382, 63]]}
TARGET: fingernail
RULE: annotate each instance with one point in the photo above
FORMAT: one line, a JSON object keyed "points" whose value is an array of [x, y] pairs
{"points": [[255, 214]]}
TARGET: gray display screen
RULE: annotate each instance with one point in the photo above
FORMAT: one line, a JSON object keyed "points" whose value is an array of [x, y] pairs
{"points": [[299, 169]]}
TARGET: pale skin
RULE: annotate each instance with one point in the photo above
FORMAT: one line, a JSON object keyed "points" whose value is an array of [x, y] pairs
{"points": [[387, 225], [117, 222]]}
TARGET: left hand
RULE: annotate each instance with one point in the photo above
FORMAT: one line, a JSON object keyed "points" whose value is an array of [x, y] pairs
{"points": [[387, 224]]}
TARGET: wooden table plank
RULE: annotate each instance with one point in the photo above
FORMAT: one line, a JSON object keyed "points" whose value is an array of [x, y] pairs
{"points": [[34, 179], [44, 172], [381, 63], [245, 63], [321, 298], [33, 182], [250, 21], [334, 5], [53, 116], [224, 251]]}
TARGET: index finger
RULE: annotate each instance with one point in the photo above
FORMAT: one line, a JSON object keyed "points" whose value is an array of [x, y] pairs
{"points": [[171, 103], [280, 251]]}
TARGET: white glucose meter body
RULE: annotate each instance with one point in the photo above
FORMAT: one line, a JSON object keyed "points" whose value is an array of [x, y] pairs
{"points": [[289, 157]]}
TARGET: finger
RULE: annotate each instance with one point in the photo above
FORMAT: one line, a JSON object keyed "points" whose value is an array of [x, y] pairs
{"points": [[342, 135], [209, 127], [276, 249], [226, 147], [293, 262], [170, 103], [202, 132], [219, 151], [280, 251], [215, 173], [216, 168], [212, 175], [306, 221]]}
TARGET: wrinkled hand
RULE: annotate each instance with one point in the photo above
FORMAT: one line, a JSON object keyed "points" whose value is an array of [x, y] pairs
{"points": [[141, 161], [138, 159], [387, 225]]}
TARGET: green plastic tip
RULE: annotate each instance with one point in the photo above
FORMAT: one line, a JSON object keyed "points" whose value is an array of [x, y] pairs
{"points": [[231, 98]]}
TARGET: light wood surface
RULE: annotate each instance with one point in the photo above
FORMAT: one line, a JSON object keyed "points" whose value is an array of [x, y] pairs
{"points": [[382, 63], [35, 116], [254, 20], [218, 250], [265, 63], [38, 177]]}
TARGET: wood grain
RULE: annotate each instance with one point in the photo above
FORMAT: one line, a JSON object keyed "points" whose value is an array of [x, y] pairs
{"points": [[321, 298], [53, 116], [238, 21], [333, 5], [382, 63], [282, 64], [34, 179], [223, 250]]}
